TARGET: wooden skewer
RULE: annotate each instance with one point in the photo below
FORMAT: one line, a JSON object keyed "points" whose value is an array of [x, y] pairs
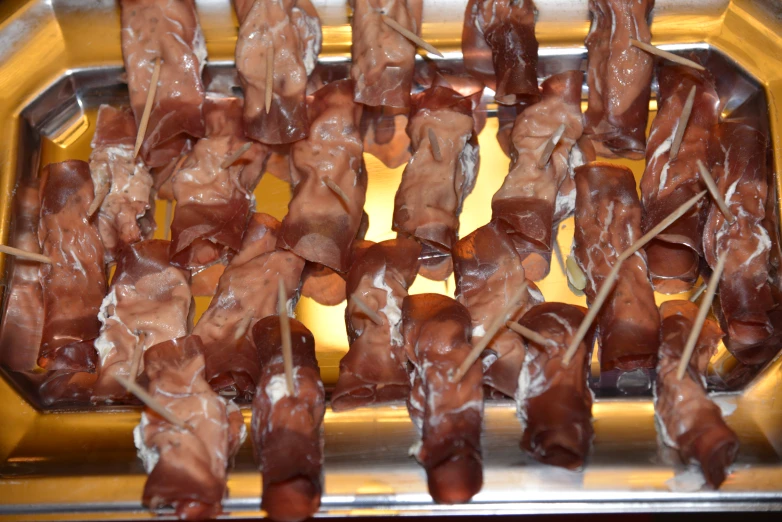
{"points": [[494, 327], [367, 310], [101, 192], [138, 351], [242, 327], [285, 333], [700, 318], [230, 160], [525, 332], [336, 190], [151, 403], [435, 145], [651, 49], [558, 255], [680, 128], [24, 254], [551, 144], [142, 128], [269, 77], [697, 293], [714, 191], [169, 215], [420, 42]]}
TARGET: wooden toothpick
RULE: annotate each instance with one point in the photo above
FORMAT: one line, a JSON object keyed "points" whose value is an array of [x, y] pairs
{"points": [[682, 125], [285, 333], [152, 403], [366, 309], [700, 318], [435, 145], [551, 144], [558, 255], [714, 191], [101, 191], [336, 190], [494, 327], [269, 76], [420, 42], [697, 293], [525, 332], [651, 49], [230, 160], [24, 254], [142, 128]]}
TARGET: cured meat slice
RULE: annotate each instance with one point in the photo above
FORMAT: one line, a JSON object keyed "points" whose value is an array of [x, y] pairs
{"points": [[375, 368], [738, 154], [686, 419], [287, 429], [529, 204], [619, 77], [186, 467], [169, 31], [213, 203], [320, 226], [124, 182], [608, 221], [430, 196], [148, 303], [554, 402], [247, 292], [290, 31], [448, 415], [674, 254], [500, 49]]}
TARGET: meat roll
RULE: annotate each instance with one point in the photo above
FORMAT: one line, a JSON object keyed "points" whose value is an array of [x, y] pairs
{"points": [[686, 419], [619, 77], [554, 402], [287, 430], [448, 415], [247, 292], [375, 368], [608, 221], [186, 467], [290, 31]]}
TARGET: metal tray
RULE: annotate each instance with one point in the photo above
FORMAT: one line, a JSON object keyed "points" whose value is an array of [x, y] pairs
{"points": [[59, 59]]}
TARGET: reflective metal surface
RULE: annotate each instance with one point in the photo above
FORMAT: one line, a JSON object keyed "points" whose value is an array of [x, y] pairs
{"points": [[60, 59]]}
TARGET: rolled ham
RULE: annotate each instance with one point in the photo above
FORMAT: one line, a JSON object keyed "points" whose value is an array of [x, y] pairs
{"points": [[529, 204], [375, 368], [608, 221], [290, 31], [429, 199], [213, 203], [448, 415], [287, 429], [619, 77], [168, 31], [320, 226], [123, 182], [674, 254], [686, 419], [488, 274], [247, 292], [187, 468], [554, 401], [148, 303], [500, 49]]}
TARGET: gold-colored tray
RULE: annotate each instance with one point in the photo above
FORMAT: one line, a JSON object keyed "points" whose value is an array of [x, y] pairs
{"points": [[82, 464]]}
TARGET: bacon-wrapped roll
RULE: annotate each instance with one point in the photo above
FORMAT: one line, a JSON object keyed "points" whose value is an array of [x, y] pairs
{"points": [[148, 303], [554, 402], [170, 32], [686, 419], [738, 154], [619, 77], [74, 284], [383, 60], [608, 221], [320, 226], [430, 196], [529, 203], [187, 467], [290, 31], [500, 49], [674, 254], [287, 430], [375, 368], [124, 183], [247, 292], [448, 415], [488, 273], [213, 203]]}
